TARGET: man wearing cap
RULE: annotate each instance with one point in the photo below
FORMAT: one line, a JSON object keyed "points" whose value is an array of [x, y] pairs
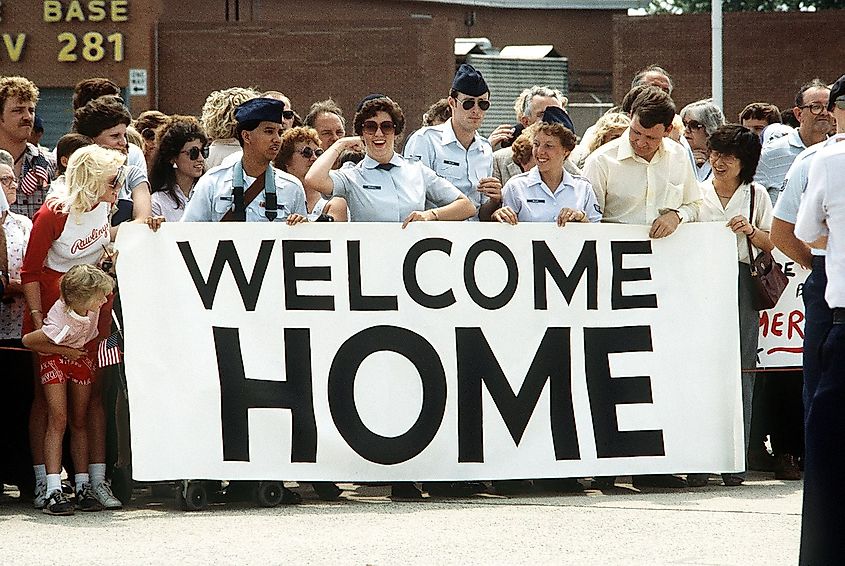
{"points": [[643, 177], [821, 224], [250, 189], [455, 150]]}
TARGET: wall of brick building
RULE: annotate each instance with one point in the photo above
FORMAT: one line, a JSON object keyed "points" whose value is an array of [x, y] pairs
{"points": [[767, 56]]}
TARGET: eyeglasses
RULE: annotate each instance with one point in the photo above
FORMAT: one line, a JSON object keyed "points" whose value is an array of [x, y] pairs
{"points": [[287, 114], [726, 158], [307, 152], [119, 178], [693, 125], [8, 181], [370, 127], [815, 108], [194, 153], [468, 103]]}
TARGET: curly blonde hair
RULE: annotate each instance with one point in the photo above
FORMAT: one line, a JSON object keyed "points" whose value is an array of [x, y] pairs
{"points": [[218, 112], [87, 179], [606, 124]]}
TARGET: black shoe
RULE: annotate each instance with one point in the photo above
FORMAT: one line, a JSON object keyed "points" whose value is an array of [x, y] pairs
{"points": [[733, 480], [454, 489], [58, 504], [86, 500], [559, 485], [511, 487], [290, 497], [659, 480], [405, 491], [698, 480], [326, 490]]}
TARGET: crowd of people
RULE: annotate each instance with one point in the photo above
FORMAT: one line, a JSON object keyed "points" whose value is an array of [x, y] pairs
{"points": [[251, 157]]}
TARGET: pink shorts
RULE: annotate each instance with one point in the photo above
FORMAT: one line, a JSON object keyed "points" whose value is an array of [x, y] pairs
{"points": [[57, 369]]}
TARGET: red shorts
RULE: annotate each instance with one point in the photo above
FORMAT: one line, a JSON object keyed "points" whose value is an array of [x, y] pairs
{"points": [[57, 369]]}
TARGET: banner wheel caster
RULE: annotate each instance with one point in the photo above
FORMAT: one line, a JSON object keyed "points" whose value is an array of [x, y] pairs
{"points": [[269, 493]]}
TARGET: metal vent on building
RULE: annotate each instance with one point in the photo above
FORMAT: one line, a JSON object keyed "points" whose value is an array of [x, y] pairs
{"points": [[508, 76]]}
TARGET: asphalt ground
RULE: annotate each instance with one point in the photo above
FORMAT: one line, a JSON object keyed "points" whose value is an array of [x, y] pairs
{"points": [[757, 523]]}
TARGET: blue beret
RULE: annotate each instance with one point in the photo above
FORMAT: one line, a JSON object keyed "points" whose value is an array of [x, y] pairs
{"points": [[837, 91], [469, 81], [260, 110], [557, 115], [368, 98], [38, 124]]}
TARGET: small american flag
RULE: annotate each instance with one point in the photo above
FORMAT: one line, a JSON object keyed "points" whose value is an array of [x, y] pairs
{"points": [[37, 177], [108, 352]]}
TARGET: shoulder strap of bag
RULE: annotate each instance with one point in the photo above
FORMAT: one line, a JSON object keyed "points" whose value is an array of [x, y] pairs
{"points": [[747, 239], [254, 189]]}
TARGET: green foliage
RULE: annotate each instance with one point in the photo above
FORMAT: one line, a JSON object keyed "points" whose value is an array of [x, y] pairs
{"points": [[695, 6]]}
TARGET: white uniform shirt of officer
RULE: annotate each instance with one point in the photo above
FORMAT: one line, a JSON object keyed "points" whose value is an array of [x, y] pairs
{"points": [[533, 201]]}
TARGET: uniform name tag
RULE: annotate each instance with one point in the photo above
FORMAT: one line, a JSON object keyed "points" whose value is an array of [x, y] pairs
{"points": [[451, 162], [539, 200], [226, 197], [372, 187]]}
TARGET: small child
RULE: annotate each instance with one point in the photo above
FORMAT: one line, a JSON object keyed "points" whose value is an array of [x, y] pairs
{"points": [[66, 344]]}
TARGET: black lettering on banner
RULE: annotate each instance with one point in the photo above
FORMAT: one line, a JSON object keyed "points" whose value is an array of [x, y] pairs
{"points": [[226, 253], [618, 301], [409, 273], [238, 394], [477, 363], [357, 300], [341, 390], [500, 249], [545, 261], [293, 300], [606, 392]]}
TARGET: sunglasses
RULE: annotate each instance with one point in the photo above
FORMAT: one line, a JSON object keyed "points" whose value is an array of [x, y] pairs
{"points": [[195, 152], [693, 125], [370, 127], [287, 114], [307, 152], [468, 103]]}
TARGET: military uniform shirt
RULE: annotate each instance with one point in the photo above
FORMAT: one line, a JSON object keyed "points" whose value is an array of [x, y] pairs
{"points": [[533, 201], [374, 194], [211, 197], [775, 159], [439, 149]]}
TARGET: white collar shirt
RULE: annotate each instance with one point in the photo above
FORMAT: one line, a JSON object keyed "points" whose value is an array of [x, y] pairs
{"points": [[376, 194], [533, 201], [739, 204], [631, 190], [822, 213]]}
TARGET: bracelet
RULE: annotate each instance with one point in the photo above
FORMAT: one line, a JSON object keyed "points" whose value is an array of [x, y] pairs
{"points": [[33, 311], [434, 212]]}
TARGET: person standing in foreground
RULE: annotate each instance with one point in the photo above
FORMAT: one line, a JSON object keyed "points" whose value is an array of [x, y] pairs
{"points": [[456, 151], [821, 224]]}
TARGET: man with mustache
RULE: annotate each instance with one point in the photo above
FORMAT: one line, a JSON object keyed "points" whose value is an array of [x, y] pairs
{"points": [[250, 189], [33, 166]]}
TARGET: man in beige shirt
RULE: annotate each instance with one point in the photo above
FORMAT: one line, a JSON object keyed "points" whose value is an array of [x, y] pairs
{"points": [[644, 177]]}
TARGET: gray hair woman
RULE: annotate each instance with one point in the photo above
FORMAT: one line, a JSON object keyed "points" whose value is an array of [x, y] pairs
{"points": [[701, 119]]}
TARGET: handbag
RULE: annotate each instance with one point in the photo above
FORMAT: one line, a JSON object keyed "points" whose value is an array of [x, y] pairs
{"points": [[767, 278]]}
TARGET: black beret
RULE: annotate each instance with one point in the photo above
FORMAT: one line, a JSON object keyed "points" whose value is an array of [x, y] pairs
{"points": [[469, 81], [260, 110], [836, 91], [557, 115]]}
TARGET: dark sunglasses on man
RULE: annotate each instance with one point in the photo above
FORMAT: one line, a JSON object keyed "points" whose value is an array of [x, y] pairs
{"points": [[370, 127], [194, 153], [468, 103]]}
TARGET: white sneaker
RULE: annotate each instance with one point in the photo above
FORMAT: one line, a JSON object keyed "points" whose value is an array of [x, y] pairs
{"points": [[105, 496], [40, 499]]}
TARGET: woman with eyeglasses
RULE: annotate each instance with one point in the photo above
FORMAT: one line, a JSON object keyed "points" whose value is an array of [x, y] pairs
{"points": [[300, 149], [179, 162], [734, 153], [701, 118], [384, 186]]}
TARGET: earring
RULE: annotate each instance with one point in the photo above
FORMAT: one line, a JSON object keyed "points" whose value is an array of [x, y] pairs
{"points": [[175, 166]]}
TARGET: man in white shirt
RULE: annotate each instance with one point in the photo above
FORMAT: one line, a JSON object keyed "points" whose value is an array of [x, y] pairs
{"points": [[821, 223], [643, 177]]}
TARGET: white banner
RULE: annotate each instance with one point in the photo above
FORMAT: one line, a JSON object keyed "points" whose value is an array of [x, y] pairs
{"points": [[445, 351], [781, 343]]}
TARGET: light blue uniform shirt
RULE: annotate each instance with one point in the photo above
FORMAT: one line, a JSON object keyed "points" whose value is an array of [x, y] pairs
{"points": [[378, 195], [439, 149], [533, 201], [211, 197], [795, 184], [775, 159]]}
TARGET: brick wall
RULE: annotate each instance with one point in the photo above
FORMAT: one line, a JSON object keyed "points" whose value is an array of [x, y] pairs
{"points": [[767, 56]]}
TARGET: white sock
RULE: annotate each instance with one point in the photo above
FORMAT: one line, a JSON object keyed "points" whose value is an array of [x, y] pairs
{"points": [[97, 473], [79, 480], [54, 483], [40, 473]]}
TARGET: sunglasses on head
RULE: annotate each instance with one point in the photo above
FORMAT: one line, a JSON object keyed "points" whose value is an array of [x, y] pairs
{"points": [[195, 152], [287, 114], [370, 127], [307, 152], [468, 103]]}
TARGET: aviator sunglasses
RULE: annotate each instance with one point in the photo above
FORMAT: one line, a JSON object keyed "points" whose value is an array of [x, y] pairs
{"points": [[468, 103], [307, 152], [194, 153], [287, 114], [370, 127]]}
